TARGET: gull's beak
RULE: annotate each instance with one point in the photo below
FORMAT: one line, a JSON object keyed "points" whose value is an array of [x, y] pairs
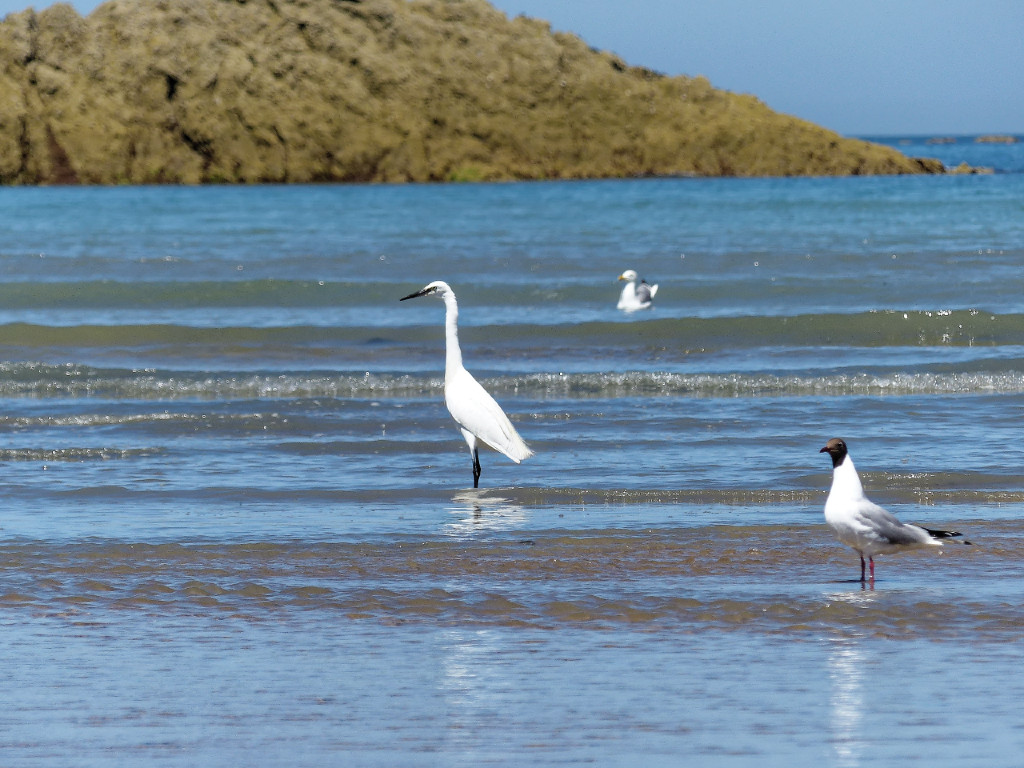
{"points": [[824, 450], [415, 295], [622, 277]]}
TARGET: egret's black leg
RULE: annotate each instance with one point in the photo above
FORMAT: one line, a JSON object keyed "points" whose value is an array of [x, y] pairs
{"points": [[476, 468]]}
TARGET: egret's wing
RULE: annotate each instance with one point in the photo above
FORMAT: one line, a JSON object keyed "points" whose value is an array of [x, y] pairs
{"points": [[475, 410]]}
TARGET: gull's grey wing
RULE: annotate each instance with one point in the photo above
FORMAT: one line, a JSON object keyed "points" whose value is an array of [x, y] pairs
{"points": [[887, 527]]}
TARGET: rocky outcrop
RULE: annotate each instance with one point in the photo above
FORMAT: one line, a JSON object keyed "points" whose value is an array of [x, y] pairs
{"points": [[196, 91]]}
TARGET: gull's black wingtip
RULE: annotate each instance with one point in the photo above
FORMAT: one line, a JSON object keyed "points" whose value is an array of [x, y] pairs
{"points": [[947, 535]]}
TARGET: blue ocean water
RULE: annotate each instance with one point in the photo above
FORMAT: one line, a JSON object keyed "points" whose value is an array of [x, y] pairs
{"points": [[1000, 153], [238, 517]]}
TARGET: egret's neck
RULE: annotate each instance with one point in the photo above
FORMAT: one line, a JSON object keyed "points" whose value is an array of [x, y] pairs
{"points": [[453, 353], [845, 481]]}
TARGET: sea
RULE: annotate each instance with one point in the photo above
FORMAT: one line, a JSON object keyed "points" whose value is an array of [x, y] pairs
{"points": [[239, 526]]}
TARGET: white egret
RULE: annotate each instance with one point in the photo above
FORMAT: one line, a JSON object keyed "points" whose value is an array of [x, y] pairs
{"points": [[633, 296], [862, 524], [474, 410]]}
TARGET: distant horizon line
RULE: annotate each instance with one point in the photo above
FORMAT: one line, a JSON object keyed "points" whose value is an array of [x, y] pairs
{"points": [[937, 135]]}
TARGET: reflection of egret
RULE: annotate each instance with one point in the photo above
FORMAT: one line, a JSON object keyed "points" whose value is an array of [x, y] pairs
{"points": [[475, 687], [477, 512], [862, 524], [846, 673], [474, 410], [633, 296]]}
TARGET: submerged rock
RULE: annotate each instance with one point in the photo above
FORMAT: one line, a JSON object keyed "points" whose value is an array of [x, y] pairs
{"points": [[201, 91]]}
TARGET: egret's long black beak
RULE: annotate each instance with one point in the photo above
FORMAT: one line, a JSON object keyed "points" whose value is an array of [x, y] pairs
{"points": [[424, 292]]}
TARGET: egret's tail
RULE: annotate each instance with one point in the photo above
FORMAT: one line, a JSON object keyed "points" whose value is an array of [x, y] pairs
{"points": [[516, 448]]}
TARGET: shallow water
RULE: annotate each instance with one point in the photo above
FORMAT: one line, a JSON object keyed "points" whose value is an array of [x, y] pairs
{"points": [[237, 525]]}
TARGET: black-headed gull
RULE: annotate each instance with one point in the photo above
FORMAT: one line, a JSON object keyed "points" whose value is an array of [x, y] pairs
{"points": [[860, 523]]}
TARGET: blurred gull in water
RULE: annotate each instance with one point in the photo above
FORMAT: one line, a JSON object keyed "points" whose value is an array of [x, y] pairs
{"points": [[474, 410], [633, 296]]}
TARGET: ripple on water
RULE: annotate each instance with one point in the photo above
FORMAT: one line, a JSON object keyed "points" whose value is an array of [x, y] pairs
{"points": [[771, 579]]}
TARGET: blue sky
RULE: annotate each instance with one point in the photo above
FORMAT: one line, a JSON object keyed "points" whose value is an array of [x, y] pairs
{"points": [[861, 67]]}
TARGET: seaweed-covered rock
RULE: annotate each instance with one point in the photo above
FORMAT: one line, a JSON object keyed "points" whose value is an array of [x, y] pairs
{"points": [[194, 91]]}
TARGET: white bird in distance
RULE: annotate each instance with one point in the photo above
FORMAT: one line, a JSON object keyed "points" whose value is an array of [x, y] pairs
{"points": [[633, 296]]}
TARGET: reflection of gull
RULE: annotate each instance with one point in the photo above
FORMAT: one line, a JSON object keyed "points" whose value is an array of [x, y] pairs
{"points": [[633, 296], [862, 524], [846, 673], [861, 598], [478, 512], [474, 410]]}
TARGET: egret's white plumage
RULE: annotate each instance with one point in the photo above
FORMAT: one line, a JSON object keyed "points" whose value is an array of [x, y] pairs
{"points": [[474, 410], [635, 296], [860, 523]]}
